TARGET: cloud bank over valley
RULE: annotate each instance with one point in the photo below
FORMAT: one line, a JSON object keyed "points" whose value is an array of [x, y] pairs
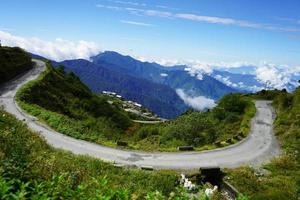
{"points": [[198, 103]]}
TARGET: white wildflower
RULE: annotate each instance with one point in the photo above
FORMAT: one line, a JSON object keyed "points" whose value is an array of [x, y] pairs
{"points": [[209, 191]]}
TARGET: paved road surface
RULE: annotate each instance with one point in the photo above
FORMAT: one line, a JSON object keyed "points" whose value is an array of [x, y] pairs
{"points": [[258, 147]]}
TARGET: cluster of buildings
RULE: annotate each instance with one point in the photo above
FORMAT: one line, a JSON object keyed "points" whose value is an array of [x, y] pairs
{"points": [[112, 94], [130, 106], [126, 103], [131, 103]]}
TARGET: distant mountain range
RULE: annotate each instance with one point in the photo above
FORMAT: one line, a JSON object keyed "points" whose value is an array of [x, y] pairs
{"points": [[245, 79], [176, 78], [160, 98], [243, 82], [150, 84], [156, 86]]}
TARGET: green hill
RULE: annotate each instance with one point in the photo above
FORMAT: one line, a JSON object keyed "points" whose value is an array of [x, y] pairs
{"points": [[66, 104], [13, 61], [229, 118]]}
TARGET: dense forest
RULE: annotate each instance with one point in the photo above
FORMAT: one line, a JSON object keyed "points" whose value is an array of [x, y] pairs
{"points": [[13, 61], [160, 98]]}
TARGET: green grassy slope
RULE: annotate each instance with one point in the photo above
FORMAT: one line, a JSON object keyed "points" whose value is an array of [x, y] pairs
{"points": [[281, 181], [13, 61], [201, 129], [67, 105]]}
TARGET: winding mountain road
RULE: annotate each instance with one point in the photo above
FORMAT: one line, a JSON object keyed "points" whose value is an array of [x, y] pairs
{"points": [[260, 146]]}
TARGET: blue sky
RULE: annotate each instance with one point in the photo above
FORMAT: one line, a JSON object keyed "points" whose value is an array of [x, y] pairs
{"points": [[203, 30]]}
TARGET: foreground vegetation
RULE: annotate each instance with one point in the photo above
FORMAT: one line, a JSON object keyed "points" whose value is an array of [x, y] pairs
{"points": [[13, 61], [279, 180], [63, 102], [30, 168]]}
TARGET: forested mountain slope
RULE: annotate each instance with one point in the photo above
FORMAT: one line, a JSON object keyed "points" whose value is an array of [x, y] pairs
{"points": [[68, 105], [200, 84], [159, 98]]}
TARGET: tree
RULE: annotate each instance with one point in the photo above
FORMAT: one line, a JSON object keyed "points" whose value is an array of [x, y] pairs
{"points": [[233, 103]]}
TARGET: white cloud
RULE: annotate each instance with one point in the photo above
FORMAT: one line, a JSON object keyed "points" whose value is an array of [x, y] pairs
{"points": [[236, 22], [164, 75], [238, 85], [268, 74], [137, 11], [109, 7], [128, 3], [157, 13], [152, 13], [199, 18], [197, 68], [202, 66], [135, 23], [198, 73], [209, 19], [225, 80], [58, 50], [198, 103], [275, 76]]}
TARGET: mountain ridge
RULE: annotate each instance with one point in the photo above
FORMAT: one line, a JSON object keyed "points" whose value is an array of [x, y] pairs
{"points": [[150, 84], [159, 98], [176, 78]]}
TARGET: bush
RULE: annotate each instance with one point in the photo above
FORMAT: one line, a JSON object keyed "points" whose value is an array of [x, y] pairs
{"points": [[233, 103], [147, 131]]}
